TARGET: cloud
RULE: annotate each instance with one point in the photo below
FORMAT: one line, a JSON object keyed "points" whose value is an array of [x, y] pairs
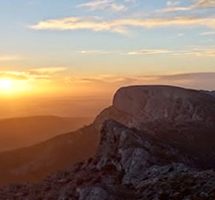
{"points": [[23, 76], [76, 23], [104, 79], [13, 75], [203, 4], [149, 52], [207, 52], [103, 5], [172, 3], [99, 52], [191, 52], [10, 58], [197, 4], [121, 25], [208, 33], [188, 76], [201, 80], [42, 74], [48, 70], [174, 9], [201, 52], [181, 34]]}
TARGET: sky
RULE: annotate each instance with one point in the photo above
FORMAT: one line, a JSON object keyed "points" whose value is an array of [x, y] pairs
{"points": [[91, 48]]}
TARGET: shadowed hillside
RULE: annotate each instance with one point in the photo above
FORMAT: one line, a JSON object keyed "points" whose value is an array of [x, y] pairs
{"points": [[35, 162], [26, 131]]}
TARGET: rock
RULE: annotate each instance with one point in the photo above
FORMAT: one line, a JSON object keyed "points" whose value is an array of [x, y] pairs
{"points": [[94, 193], [135, 105]]}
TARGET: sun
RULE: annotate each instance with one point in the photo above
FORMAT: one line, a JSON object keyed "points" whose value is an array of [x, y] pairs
{"points": [[5, 84]]}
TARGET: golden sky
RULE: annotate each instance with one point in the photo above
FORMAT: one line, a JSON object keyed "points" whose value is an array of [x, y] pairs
{"points": [[93, 47]]}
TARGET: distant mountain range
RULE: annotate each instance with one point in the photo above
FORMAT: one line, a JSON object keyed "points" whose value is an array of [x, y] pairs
{"points": [[26, 131], [156, 142]]}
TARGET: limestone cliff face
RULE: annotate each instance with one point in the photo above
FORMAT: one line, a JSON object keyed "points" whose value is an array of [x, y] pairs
{"points": [[135, 105]]}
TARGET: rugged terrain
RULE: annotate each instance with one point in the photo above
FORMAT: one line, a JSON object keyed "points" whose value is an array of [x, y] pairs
{"points": [[157, 142], [129, 164]]}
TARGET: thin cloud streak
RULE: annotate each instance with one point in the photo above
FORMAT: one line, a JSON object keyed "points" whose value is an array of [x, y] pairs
{"points": [[121, 25], [49, 70], [103, 5], [145, 52], [208, 33], [40, 74], [197, 4], [204, 4], [192, 52], [201, 80], [149, 52], [5, 58]]}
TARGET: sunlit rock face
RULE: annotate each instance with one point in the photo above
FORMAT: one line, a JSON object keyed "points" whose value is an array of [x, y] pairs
{"points": [[164, 103], [136, 105]]}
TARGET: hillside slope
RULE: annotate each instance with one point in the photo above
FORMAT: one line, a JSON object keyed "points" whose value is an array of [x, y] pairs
{"points": [[33, 163], [26, 131]]}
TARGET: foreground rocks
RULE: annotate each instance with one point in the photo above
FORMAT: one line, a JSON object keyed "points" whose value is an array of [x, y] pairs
{"points": [[129, 165]]}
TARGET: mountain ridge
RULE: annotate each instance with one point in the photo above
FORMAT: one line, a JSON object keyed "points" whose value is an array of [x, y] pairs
{"points": [[138, 155]]}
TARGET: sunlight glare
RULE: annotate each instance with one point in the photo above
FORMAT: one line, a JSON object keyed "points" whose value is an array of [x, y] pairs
{"points": [[5, 84]]}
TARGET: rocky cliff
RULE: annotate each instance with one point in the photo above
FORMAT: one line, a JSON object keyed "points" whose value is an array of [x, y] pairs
{"points": [[136, 105], [168, 156]]}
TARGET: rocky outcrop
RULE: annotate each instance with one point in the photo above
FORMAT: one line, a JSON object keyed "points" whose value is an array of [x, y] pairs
{"points": [[136, 105], [160, 146], [129, 165]]}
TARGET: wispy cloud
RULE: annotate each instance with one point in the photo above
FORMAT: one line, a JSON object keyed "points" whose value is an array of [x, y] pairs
{"points": [[203, 4], [10, 57], [173, 6], [172, 3], [49, 70], [174, 9], [208, 33], [75, 23], [44, 74], [201, 80], [121, 25], [103, 5], [191, 52], [100, 52], [13, 75], [149, 52], [204, 52]]}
